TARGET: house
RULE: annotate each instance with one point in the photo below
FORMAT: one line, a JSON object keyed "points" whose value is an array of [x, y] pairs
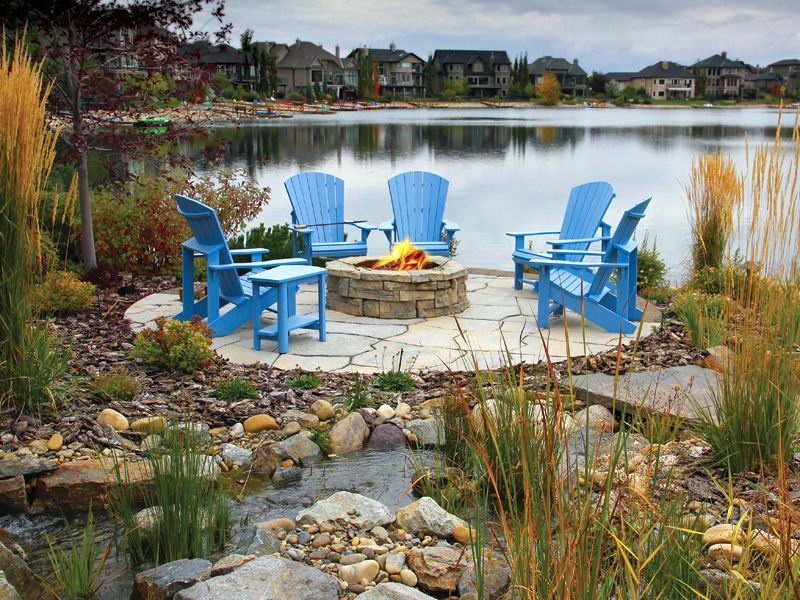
{"points": [[789, 69], [664, 80], [305, 66], [484, 73], [237, 65], [725, 78], [400, 73], [768, 82], [571, 77], [623, 80]]}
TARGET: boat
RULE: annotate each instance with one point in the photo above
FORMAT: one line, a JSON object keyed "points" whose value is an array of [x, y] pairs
{"points": [[153, 125], [588, 104]]}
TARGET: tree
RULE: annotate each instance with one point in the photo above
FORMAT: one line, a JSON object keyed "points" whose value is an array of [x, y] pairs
{"points": [[429, 73], [597, 82], [701, 79], [246, 40], [366, 75], [86, 43], [549, 91]]}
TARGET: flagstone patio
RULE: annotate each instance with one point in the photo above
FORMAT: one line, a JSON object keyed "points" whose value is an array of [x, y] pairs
{"points": [[498, 315]]}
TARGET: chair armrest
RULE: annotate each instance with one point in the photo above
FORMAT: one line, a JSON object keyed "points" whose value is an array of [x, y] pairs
{"points": [[582, 252], [243, 251], [301, 230], [365, 226], [572, 263], [599, 238], [450, 226], [386, 226], [264, 264], [527, 233]]}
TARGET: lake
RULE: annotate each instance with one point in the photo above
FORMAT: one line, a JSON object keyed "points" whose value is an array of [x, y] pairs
{"points": [[509, 169]]}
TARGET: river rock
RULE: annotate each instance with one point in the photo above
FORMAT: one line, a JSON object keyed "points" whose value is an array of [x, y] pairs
{"points": [[426, 516], [306, 420], [366, 569], [463, 535], [496, 577], [26, 466], [287, 474], [395, 563], [322, 409], [402, 410], [291, 428], [349, 434], [230, 563], [79, 483], [596, 416], [149, 425], [408, 577], [280, 523], [55, 442], [393, 591], [13, 497], [164, 581], [262, 461], [258, 423], [147, 518], [234, 454], [384, 412], [266, 578], [723, 534], [109, 416], [386, 437], [346, 508], [200, 432], [633, 444], [299, 448], [427, 431], [438, 568], [258, 539], [236, 431], [19, 577]]}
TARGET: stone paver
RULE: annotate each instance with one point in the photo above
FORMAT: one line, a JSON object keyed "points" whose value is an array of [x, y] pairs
{"points": [[367, 344]]}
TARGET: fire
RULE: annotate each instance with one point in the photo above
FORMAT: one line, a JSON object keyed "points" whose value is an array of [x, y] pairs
{"points": [[405, 256]]}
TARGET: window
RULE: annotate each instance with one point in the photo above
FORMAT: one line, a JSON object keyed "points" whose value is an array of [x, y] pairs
{"points": [[477, 67], [316, 76], [406, 65], [660, 82], [661, 94], [654, 81], [351, 77]]}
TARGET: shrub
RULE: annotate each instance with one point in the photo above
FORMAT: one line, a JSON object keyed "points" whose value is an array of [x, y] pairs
{"points": [[30, 358], [117, 385], [296, 97], [702, 315], [277, 239], [619, 101], [63, 293], [306, 381], [358, 395], [175, 345], [549, 90], [652, 270], [77, 569], [395, 381], [233, 389], [137, 227], [190, 512]]}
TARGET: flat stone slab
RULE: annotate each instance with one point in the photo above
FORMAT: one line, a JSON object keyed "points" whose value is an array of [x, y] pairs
{"points": [[369, 345], [682, 392]]}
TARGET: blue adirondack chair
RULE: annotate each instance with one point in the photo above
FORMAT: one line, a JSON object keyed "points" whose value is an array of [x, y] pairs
{"points": [[585, 288], [318, 217], [586, 207], [418, 201], [225, 286]]}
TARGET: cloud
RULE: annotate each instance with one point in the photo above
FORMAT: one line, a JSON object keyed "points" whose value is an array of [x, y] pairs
{"points": [[605, 36]]}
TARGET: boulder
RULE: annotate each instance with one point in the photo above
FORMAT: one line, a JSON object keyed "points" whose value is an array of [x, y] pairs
{"points": [[349, 434], [19, 577], [306, 420], [496, 577], [13, 497], [596, 416], [386, 437], [109, 416], [26, 466], [287, 475], [149, 425], [164, 581], [438, 568], [322, 409], [262, 461], [426, 516], [230, 563], [258, 423], [234, 454], [346, 508], [393, 591], [258, 539], [299, 448], [79, 483], [427, 431], [266, 578], [7, 591]]}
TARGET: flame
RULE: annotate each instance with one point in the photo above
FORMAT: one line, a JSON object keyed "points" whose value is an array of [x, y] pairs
{"points": [[405, 256]]}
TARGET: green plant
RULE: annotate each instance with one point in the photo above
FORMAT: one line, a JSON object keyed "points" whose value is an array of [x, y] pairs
{"points": [[188, 515], [651, 268], [322, 438], [306, 381], [703, 317], [175, 345], [30, 357], [63, 293], [117, 385], [277, 239], [395, 381], [357, 396], [233, 389], [77, 569]]}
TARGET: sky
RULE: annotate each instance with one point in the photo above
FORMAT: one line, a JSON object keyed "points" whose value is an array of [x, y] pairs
{"points": [[618, 35]]}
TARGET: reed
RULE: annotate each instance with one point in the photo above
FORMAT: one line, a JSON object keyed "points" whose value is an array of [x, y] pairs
{"points": [[77, 569], [29, 357]]}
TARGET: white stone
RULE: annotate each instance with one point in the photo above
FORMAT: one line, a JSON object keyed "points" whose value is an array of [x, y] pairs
{"points": [[336, 510], [426, 516]]}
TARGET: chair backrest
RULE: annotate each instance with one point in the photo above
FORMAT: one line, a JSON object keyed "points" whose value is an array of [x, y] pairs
{"points": [[318, 198], [418, 200], [585, 209], [209, 237], [621, 236]]}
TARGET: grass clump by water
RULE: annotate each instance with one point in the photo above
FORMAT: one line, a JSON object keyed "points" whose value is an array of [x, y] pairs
{"points": [[702, 315], [188, 514], [234, 389], [357, 396], [306, 381], [395, 381], [30, 357], [77, 569], [322, 438]]}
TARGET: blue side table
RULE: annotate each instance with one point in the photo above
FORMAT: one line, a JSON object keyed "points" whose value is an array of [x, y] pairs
{"points": [[286, 279]]}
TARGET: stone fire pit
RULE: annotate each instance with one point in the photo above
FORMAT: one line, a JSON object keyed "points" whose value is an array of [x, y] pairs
{"points": [[436, 291]]}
